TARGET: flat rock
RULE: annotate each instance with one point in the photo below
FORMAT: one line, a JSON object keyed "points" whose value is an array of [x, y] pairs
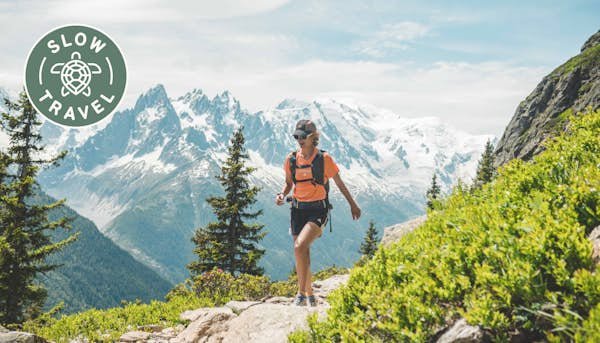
{"points": [[462, 332], [134, 336], [268, 323]]}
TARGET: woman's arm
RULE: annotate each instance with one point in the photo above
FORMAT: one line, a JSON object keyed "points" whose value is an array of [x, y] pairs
{"points": [[279, 199], [354, 209]]}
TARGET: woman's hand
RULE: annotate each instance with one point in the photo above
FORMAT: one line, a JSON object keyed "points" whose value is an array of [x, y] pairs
{"points": [[279, 199], [355, 210]]}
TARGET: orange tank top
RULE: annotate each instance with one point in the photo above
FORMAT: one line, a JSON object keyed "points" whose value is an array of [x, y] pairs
{"points": [[307, 191]]}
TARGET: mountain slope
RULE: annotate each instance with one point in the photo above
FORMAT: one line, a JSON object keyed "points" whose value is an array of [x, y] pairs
{"points": [[143, 177], [95, 273], [572, 86]]}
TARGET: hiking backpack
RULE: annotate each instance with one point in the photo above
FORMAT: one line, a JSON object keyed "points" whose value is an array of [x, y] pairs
{"points": [[318, 175]]}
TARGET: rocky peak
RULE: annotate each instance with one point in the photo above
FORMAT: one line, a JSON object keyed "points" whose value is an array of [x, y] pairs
{"points": [[290, 103], [591, 42], [573, 86], [155, 96]]}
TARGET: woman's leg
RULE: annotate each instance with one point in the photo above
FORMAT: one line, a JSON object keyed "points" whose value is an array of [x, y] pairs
{"points": [[301, 250], [299, 261], [308, 278]]}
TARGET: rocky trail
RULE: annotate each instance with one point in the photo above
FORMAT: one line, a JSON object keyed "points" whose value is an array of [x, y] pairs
{"points": [[270, 320]]}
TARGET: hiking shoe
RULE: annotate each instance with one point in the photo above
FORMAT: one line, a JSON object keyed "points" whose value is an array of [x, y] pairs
{"points": [[300, 300], [312, 301]]}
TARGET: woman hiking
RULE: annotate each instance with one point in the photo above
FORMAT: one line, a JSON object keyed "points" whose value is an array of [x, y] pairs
{"points": [[309, 170]]}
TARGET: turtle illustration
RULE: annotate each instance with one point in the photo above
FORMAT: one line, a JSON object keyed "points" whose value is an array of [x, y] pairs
{"points": [[75, 75]]}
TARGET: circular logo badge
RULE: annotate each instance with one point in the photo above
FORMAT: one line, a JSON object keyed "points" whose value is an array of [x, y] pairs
{"points": [[75, 75]]}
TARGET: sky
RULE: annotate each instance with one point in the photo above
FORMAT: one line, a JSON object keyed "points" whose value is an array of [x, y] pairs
{"points": [[467, 62]]}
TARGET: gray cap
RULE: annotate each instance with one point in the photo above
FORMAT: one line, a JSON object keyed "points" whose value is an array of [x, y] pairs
{"points": [[305, 127]]}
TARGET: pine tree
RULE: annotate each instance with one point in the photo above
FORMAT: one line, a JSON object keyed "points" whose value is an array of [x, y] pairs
{"points": [[229, 243], [369, 244], [24, 228], [433, 193], [485, 167]]}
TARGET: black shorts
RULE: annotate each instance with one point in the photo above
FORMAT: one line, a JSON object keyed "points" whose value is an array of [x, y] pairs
{"points": [[299, 218]]}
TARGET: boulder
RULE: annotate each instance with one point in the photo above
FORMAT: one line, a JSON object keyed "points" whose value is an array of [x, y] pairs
{"points": [[209, 322], [462, 332], [20, 337], [322, 288], [395, 232]]}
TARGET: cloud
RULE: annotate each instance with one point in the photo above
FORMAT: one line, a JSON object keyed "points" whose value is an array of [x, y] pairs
{"points": [[264, 57], [108, 11], [392, 37]]}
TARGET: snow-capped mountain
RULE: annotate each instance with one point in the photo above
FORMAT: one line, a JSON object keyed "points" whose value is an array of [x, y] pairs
{"points": [[143, 177]]}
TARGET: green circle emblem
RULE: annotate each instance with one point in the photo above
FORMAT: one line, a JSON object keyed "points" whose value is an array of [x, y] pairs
{"points": [[75, 75]]}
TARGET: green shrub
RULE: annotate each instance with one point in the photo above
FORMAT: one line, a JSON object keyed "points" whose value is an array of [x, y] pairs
{"points": [[110, 324], [512, 256]]}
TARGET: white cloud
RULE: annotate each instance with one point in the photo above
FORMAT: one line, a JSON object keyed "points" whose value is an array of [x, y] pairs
{"points": [[262, 64], [392, 37], [129, 11]]}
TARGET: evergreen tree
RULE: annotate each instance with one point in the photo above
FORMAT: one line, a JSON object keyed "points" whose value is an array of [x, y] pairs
{"points": [[485, 167], [369, 244], [24, 228], [433, 193], [229, 243]]}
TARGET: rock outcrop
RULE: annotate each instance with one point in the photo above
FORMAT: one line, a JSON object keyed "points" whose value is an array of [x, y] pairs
{"points": [[270, 320], [462, 332], [395, 232], [18, 337], [575, 85]]}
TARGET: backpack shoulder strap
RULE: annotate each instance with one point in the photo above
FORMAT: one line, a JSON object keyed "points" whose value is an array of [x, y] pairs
{"points": [[318, 168], [293, 165], [321, 173]]}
